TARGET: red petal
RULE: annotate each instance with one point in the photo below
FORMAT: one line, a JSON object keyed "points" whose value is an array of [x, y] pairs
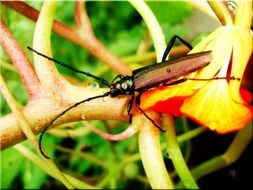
{"points": [[246, 95], [171, 106]]}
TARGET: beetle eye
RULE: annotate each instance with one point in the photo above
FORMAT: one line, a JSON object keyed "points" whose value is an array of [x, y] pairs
{"points": [[129, 83], [124, 85], [118, 86]]}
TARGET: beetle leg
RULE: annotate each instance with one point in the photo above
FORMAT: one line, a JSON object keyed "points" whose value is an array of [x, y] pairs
{"points": [[142, 111], [129, 107], [170, 45], [118, 76]]}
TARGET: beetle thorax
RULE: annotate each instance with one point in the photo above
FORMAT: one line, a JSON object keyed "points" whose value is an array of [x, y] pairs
{"points": [[122, 87]]}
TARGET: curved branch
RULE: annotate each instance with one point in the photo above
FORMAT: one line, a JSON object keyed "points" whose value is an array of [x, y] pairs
{"points": [[151, 155], [40, 113], [22, 64], [85, 33], [46, 70], [73, 35], [153, 26]]}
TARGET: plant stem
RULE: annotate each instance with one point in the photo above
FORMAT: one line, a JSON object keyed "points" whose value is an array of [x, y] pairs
{"points": [[153, 26], [28, 132], [17, 113], [85, 156], [10, 132], [190, 134], [232, 154], [235, 150], [93, 45], [43, 165], [176, 155], [45, 69], [150, 56], [151, 156], [7, 66], [21, 63]]}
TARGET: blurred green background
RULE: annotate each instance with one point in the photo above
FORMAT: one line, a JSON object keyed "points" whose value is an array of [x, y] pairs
{"points": [[121, 29]]}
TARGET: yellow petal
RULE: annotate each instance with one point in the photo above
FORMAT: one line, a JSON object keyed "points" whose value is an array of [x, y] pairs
{"points": [[214, 107], [243, 14], [242, 50]]}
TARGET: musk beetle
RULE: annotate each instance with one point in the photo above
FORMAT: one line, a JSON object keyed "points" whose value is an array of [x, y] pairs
{"points": [[165, 73]]}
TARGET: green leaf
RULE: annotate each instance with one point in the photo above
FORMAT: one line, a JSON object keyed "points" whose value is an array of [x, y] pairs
{"points": [[32, 176], [172, 12], [11, 162]]}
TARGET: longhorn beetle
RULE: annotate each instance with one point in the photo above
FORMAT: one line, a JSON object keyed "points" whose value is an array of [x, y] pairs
{"points": [[165, 73]]}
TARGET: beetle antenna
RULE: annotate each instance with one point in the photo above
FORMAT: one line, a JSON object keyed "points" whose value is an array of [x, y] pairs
{"points": [[215, 78], [105, 82], [61, 114]]}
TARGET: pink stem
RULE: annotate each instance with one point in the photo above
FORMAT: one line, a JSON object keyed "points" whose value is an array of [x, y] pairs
{"points": [[21, 63], [130, 131], [75, 36]]}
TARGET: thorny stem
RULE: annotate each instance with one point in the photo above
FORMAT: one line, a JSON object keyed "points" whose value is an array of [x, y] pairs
{"points": [[82, 20], [75, 36], [21, 63]]}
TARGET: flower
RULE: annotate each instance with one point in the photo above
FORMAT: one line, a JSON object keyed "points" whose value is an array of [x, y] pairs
{"points": [[216, 104]]}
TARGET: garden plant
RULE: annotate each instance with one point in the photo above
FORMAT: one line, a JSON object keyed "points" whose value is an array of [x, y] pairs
{"points": [[206, 125]]}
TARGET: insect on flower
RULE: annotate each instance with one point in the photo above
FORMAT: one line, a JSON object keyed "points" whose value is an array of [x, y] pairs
{"points": [[217, 105], [165, 73]]}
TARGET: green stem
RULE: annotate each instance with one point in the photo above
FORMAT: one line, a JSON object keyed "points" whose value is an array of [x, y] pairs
{"points": [[188, 146], [115, 169], [26, 129], [149, 136], [152, 159], [47, 73], [153, 26], [187, 136], [138, 58], [232, 154], [49, 76], [176, 155], [89, 157], [48, 169], [191, 134]]}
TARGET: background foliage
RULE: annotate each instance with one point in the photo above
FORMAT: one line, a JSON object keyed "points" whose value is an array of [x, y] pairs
{"points": [[119, 27]]}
